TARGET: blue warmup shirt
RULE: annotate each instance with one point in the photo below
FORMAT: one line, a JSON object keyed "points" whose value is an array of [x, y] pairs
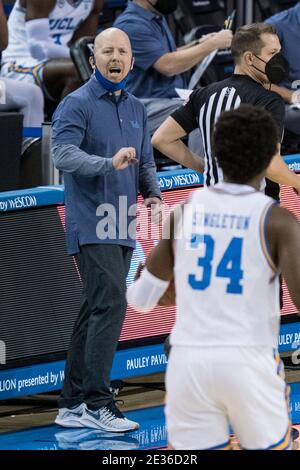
{"points": [[287, 24], [150, 38], [89, 127]]}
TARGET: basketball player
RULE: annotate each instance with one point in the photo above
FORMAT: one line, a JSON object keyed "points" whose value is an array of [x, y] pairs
{"points": [[224, 366], [15, 96], [40, 34]]}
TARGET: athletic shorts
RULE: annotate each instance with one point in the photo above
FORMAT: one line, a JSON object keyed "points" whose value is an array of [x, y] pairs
{"points": [[210, 390], [32, 74]]}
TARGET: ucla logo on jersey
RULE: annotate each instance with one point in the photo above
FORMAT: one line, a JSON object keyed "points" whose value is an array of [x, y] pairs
{"points": [[62, 24]]}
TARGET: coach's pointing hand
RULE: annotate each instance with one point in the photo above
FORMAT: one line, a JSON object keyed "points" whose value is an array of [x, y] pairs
{"points": [[124, 157]]}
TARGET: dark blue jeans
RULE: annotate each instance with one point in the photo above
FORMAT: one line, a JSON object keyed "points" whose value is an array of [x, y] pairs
{"points": [[98, 326]]}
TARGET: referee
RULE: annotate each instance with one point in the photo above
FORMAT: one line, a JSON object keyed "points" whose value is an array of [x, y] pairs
{"points": [[258, 63]]}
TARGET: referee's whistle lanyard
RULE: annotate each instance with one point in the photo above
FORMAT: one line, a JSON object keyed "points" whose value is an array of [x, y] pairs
{"points": [[277, 68]]}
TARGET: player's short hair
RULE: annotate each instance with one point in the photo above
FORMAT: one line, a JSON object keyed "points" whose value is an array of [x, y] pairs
{"points": [[244, 142], [248, 38]]}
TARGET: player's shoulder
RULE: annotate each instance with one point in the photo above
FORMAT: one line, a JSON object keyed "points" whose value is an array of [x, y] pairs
{"points": [[280, 219], [282, 227]]}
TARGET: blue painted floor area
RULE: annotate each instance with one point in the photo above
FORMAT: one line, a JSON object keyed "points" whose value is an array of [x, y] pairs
{"points": [[151, 435]]}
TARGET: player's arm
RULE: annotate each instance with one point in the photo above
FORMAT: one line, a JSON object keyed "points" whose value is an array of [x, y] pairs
{"points": [[3, 28], [35, 9], [89, 26], [155, 278], [161, 259], [283, 236], [167, 139], [41, 44]]}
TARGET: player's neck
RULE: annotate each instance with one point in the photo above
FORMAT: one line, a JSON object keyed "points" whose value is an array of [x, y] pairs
{"points": [[254, 183]]}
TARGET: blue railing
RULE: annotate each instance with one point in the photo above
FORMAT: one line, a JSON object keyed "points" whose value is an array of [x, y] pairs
{"points": [[51, 195]]}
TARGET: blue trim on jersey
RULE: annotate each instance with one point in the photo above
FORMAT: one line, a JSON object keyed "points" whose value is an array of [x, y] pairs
{"points": [[35, 71], [288, 447], [225, 444], [281, 441], [264, 243], [272, 447], [265, 230]]}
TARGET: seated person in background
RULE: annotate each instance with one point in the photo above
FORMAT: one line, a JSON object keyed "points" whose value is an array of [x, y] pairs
{"points": [[23, 97], [42, 31], [159, 66], [287, 24]]}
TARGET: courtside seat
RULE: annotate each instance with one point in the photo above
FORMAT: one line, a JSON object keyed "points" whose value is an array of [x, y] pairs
{"points": [[192, 13], [80, 52]]}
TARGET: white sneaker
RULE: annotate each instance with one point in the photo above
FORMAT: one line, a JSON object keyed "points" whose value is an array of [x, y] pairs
{"points": [[70, 417], [107, 418]]}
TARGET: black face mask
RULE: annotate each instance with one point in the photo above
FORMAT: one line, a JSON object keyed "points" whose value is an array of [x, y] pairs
{"points": [[166, 7], [277, 68]]}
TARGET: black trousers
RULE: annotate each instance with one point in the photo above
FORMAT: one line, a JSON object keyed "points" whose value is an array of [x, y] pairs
{"points": [[96, 332]]}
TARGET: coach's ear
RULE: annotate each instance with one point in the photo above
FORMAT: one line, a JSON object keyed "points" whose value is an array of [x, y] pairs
{"points": [[92, 62], [132, 63]]}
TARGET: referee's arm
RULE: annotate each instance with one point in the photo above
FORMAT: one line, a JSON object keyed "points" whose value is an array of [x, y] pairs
{"points": [[280, 173], [167, 140]]}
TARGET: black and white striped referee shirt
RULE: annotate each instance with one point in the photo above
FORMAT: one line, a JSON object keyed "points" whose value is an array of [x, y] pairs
{"points": [[206, 104]]}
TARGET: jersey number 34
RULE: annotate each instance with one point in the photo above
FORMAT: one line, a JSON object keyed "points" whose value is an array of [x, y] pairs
{"points": [[228, 267]]}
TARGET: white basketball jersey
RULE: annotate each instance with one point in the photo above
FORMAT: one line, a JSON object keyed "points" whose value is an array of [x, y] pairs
{"points": [[64, 19], [226, 290]]}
